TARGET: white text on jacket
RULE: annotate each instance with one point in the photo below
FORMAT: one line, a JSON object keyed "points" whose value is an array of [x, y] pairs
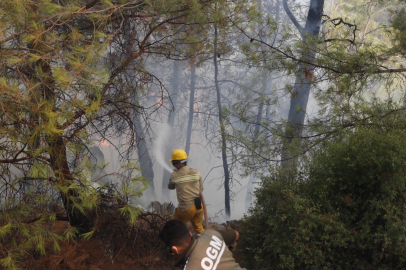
{"points": [[214, 253]]}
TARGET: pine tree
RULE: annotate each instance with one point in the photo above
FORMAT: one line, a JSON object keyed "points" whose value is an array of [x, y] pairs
{"points": [[63, 89]]}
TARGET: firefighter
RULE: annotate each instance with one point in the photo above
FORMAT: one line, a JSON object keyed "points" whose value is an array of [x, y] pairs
{"points": [[211, 251], [189, 187]]}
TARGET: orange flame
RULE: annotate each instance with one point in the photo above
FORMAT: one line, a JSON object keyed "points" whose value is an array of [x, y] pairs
{"points": [[104, 143], [159, 101]]}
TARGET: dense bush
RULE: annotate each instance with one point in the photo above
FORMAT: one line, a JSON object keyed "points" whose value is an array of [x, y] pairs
{"points": [[345, 209]]}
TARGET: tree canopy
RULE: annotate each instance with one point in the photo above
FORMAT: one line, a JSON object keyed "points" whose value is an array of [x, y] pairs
{"points": [[71, 76], [344, 209], [75, 74]]}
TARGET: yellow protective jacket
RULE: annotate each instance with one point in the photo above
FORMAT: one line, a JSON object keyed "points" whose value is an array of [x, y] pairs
{"points": [[188, 184]]}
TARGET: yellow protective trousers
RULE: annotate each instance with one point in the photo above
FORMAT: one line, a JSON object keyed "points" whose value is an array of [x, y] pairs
{"points": [[192, 215]]}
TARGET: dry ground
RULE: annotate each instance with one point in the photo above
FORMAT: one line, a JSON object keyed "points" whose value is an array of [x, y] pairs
{"points": [[116, 245]]}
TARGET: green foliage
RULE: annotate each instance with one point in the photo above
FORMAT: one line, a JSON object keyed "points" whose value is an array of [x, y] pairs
{"points": [[399, 26], [359, 57], [343, 209], [63, 89]]}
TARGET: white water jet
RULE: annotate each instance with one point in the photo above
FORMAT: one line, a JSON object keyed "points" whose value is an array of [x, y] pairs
{"points": [[162, 142]]}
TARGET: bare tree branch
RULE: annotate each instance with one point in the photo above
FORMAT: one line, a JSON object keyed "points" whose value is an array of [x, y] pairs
{"points": [[291, 16]]}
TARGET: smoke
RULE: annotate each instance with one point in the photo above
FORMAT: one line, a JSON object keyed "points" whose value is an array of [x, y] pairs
{"points": [[162, 142]]}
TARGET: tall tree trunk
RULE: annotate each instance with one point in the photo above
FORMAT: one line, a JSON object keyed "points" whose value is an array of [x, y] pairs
{"points": [[64, 178], [144, 157], [191, 109], [404, 100], [250, 185], [301, 90], [59, 161], [35, 119], [222, 131], [171, 121], [268, 106]]}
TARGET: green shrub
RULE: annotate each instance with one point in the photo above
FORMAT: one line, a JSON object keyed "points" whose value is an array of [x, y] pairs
{"points": [[345, 209]]}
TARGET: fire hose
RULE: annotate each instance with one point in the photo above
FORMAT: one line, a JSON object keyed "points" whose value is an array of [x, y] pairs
{"points": [[204, 211]]}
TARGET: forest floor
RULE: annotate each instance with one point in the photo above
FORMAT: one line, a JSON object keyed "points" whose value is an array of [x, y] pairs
{"points": [[117, 246]]}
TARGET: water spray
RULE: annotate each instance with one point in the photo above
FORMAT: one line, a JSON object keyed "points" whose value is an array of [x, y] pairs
{"points": [[161, 143]]}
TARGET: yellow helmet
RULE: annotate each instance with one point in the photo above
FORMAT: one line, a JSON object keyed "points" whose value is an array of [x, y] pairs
{"points": [[178, 154]]}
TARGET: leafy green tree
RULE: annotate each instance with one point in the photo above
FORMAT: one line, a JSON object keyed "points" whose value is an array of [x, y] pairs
{"points": [[64, 86], [344, 209], [357, 55]]}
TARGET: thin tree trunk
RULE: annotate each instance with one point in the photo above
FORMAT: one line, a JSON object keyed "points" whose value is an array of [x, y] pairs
{"points": [[404, 100], [171, 121], [301, 90], [250, 186], [222, 131], [268, 106], [144, 157], [277, 12], [35, 119], [191, 109]]}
